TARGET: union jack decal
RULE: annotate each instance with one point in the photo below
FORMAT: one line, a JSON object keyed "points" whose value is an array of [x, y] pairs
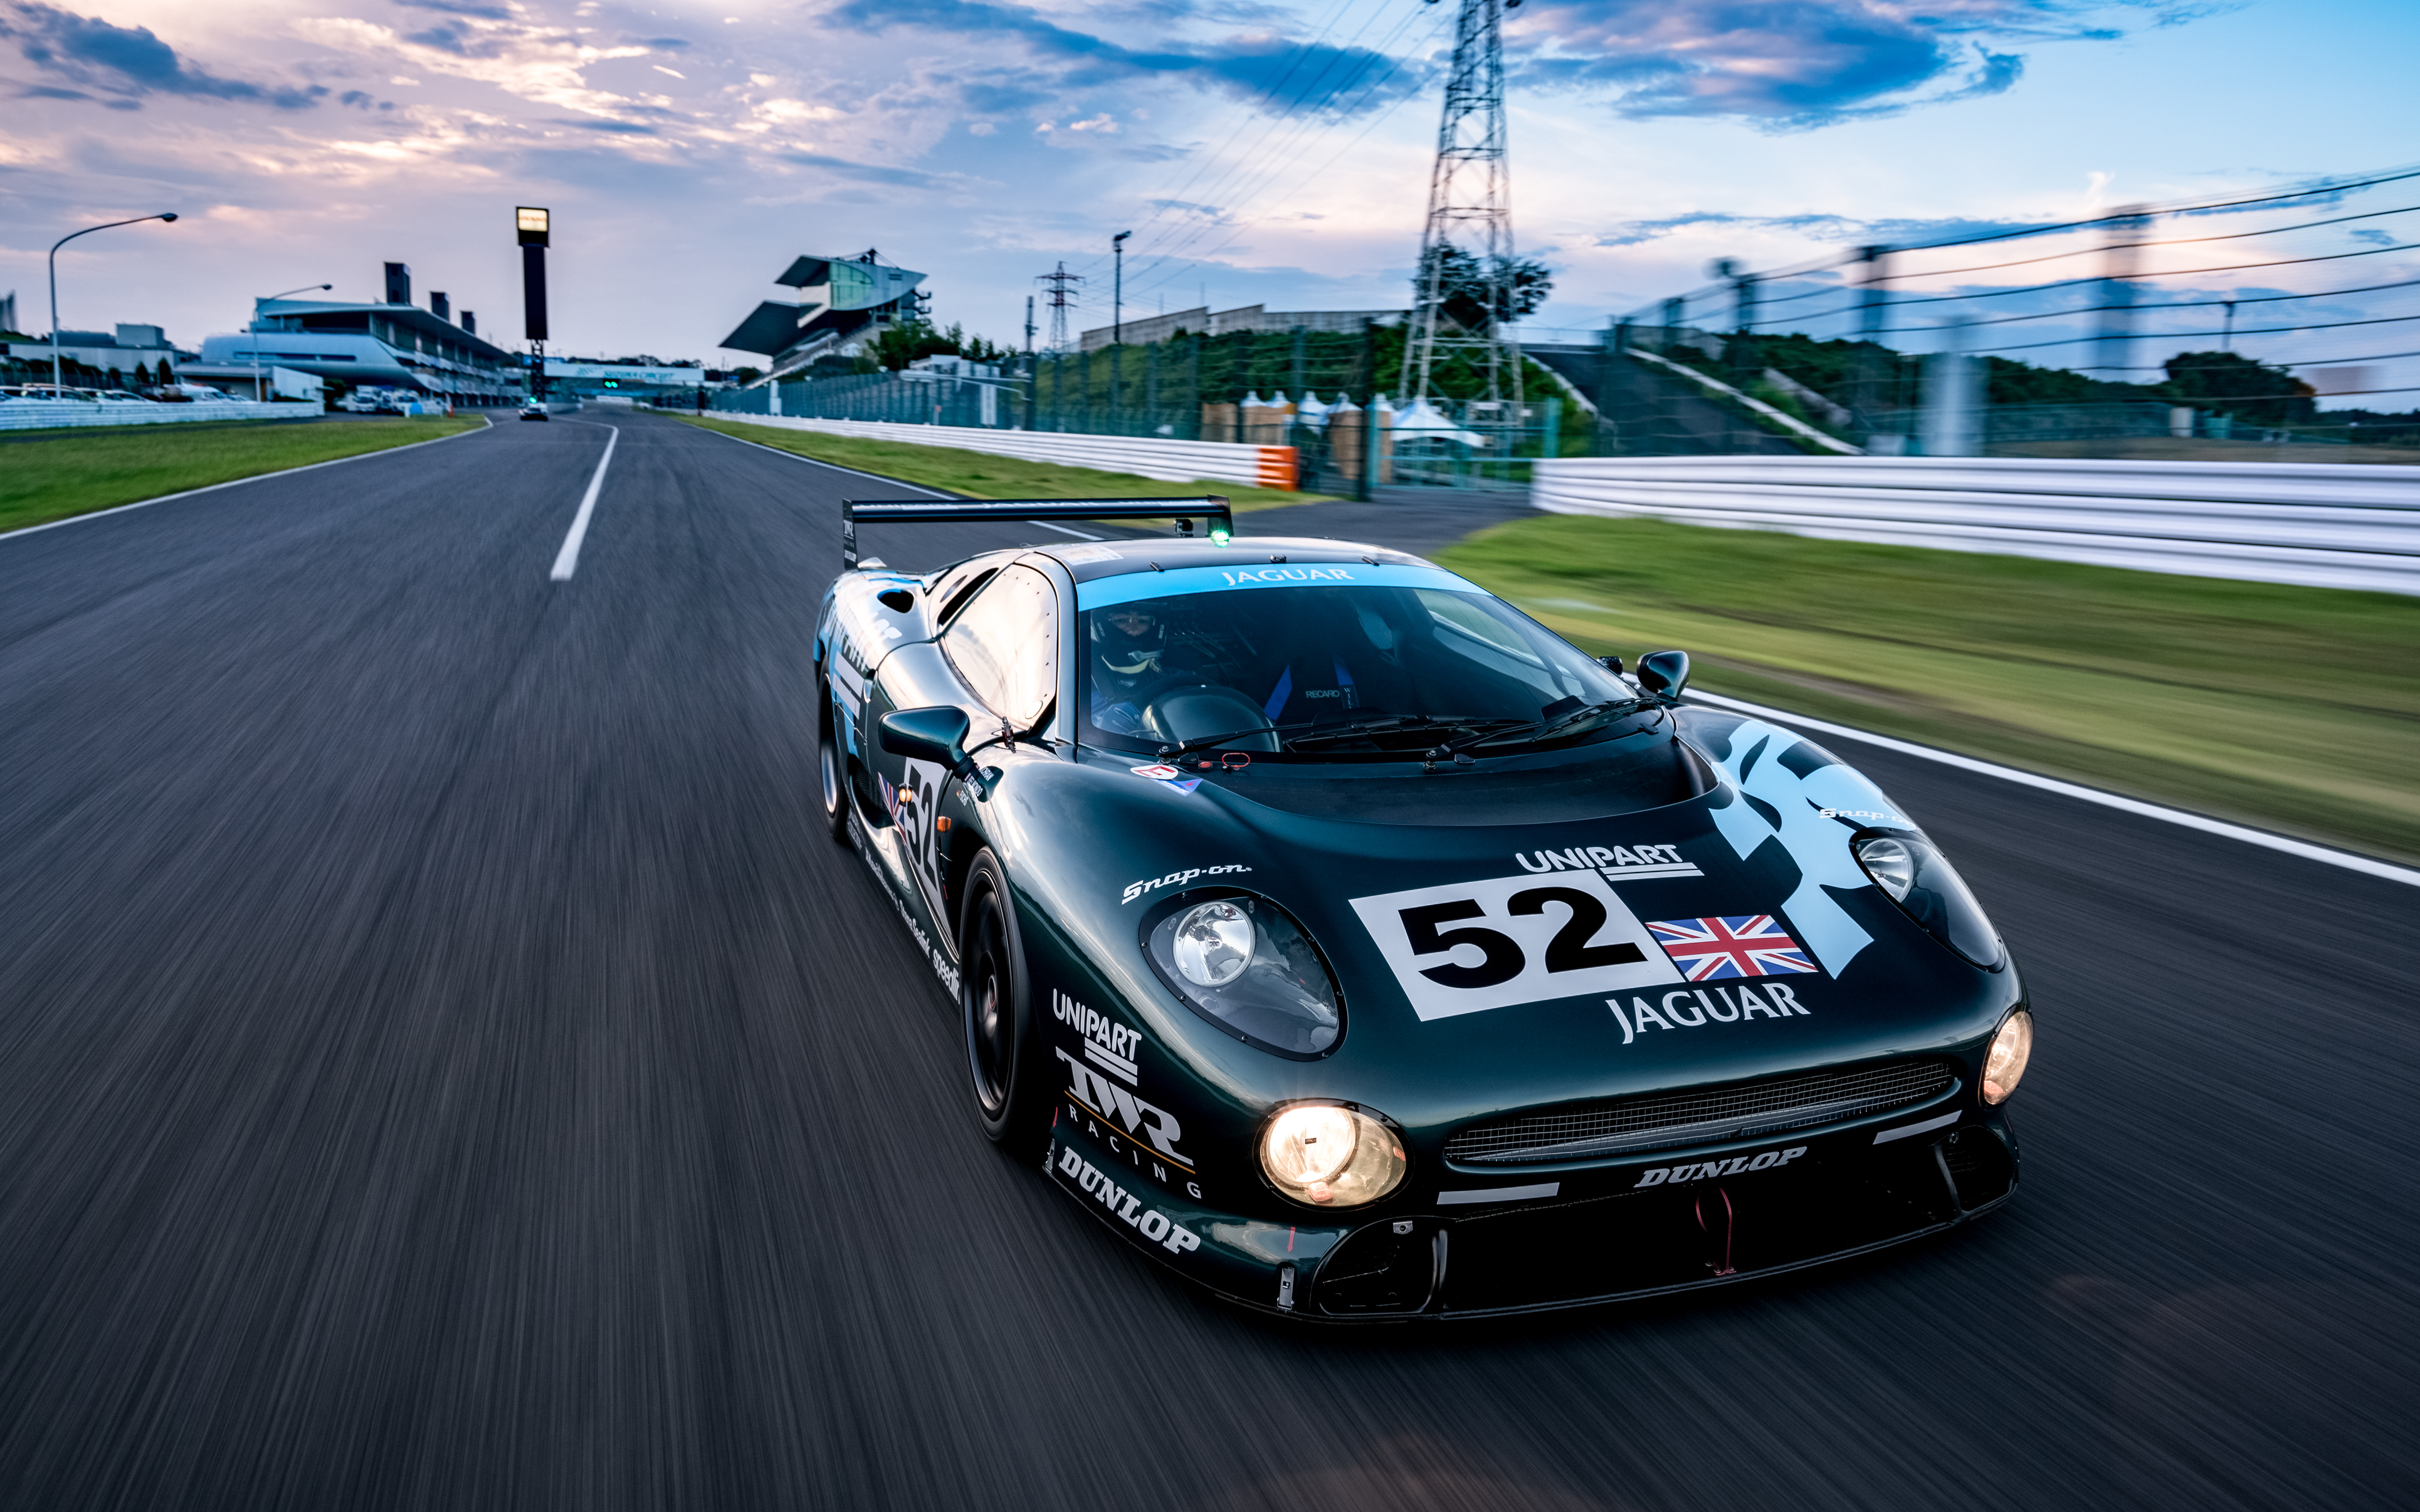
{"points": [[1734, 945]]}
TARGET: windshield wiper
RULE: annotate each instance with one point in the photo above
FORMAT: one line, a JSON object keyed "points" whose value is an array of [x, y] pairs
{"points": [[1534, 730], [1477, 723], [1316, 731]]}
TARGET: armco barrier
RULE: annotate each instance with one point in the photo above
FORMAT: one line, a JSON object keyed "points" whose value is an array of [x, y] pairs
{"points": [[2328, 524], [1265, 467], [59, 414]]}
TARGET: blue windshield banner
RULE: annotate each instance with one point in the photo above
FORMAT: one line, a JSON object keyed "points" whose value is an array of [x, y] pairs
{"points": [[1127, 587]]}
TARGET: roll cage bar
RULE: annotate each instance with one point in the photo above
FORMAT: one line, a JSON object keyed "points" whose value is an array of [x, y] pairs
{"points": [[1210, 508]]}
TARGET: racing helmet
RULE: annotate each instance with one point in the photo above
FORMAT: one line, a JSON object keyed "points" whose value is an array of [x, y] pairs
{"points": [[1128, 642]]}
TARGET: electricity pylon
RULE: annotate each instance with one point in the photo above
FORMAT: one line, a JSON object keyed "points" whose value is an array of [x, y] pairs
{"points": [[1464, 289], [1058, 298]]}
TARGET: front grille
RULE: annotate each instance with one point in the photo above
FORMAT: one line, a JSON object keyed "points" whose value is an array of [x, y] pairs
{"points": [[1708, 1115]]}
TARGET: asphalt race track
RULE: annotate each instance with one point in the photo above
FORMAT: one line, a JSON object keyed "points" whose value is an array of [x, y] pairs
{"points": [[443, 1066]]}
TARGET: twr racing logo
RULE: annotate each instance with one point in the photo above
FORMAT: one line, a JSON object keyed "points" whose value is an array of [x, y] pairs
{"points": [[1103, 1098]]}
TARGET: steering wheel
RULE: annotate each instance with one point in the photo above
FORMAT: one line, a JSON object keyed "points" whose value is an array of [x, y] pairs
{"points": [[1181, 708]]}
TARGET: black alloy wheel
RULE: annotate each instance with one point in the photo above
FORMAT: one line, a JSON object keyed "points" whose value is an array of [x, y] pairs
{"points": [[1002, 1039], [832, 765]]}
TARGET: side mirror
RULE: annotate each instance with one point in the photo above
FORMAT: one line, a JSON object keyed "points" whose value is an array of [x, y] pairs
{"points": [[934, 734], [1662, 673]]}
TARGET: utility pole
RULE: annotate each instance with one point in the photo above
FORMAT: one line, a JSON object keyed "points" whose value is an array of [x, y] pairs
{"points": [[1032, 373], [1470, 198], [2112, 343]]}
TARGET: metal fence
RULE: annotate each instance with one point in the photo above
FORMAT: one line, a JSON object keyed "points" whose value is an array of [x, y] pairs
{"points": [[2285, 318]]}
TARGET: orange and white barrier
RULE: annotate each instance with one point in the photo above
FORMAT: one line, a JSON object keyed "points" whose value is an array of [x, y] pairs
{"points": [[1147, 456]]}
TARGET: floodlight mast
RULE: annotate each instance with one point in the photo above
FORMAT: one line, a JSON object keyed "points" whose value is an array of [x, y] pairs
{"points": [[532, 225]]}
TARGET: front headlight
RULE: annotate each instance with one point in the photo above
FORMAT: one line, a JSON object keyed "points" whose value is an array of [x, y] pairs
{"points": [[1331, 1156], [2011, 1048], [1242, 962], [1922, 882]]}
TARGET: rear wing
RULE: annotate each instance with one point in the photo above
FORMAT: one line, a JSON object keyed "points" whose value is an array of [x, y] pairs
{"points": [[1212, 509]]}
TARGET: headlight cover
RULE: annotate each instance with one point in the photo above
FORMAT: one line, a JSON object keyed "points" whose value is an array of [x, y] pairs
{"points": [[1923, 883], [2003, 1064], [1331, 1155], [1242, 962]]}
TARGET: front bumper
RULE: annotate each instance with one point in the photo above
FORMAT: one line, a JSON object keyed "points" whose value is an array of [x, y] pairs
{"points": [[1712, 1216]]}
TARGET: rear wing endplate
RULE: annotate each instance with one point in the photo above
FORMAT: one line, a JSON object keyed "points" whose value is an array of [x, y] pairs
{"points": [[1211, 509]]}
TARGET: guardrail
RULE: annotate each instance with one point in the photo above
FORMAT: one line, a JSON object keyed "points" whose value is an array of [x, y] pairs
{"points": [[60, 414], [2326, 524], [1168, 461]]}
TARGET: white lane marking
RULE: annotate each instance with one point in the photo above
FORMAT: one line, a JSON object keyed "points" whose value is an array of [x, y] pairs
{"points": [[232, 483], [880, 478], [567, 561], [1498, 1194], [2346, 860], [1909, 1131]]}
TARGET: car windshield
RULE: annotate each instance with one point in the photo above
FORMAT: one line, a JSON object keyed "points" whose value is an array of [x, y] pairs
{"points": [[1322, 668]]}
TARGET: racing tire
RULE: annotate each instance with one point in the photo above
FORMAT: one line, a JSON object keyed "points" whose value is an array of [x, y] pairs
{"points": [[1012, 1091], [831, 766]]}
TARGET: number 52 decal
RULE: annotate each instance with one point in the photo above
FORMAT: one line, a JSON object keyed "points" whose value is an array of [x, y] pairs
{"points": [[1478, 945]]}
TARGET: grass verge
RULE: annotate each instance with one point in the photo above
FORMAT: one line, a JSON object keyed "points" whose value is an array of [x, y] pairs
{"points": [[2293, 709], [981, 475], [77, 472]]}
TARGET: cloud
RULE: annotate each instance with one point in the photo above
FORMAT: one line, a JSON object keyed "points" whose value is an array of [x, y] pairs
{"points": [[454, 8], [1817, 226], [1792, 66], [1266, 71], [127, 61]]}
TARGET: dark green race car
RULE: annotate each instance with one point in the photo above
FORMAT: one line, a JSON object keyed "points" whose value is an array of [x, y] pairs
{"points": [[1363, 950]]}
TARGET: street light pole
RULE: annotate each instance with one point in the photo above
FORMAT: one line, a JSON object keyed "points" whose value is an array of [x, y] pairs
{"points": [[256, 394], [1117, 331], [56, 381], [1118, 289]]}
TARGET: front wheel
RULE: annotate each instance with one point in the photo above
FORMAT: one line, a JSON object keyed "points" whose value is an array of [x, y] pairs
{"points": [[1003, 1041], [832, 763]]}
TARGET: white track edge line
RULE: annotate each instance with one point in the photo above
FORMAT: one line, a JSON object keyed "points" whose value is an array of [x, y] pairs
{"points": [[2330, 857], [816, 462], [281, 472], [567, 561]]}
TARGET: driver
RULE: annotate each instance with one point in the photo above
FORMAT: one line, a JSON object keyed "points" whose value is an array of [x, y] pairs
{"points": [[1129, 644]]}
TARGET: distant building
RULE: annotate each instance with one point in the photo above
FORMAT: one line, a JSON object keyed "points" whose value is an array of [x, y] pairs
{"points": [[843, 303], [1200, 321], [121, 353], [9, 313], [391, 345]]}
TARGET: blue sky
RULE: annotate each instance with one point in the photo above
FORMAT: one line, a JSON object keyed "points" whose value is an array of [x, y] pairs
{"points": [[1263, 153]]}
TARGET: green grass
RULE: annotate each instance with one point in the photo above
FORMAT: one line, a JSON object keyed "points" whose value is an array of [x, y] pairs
{"points": [[2294, 709], [980, 475], [52, 476]]}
